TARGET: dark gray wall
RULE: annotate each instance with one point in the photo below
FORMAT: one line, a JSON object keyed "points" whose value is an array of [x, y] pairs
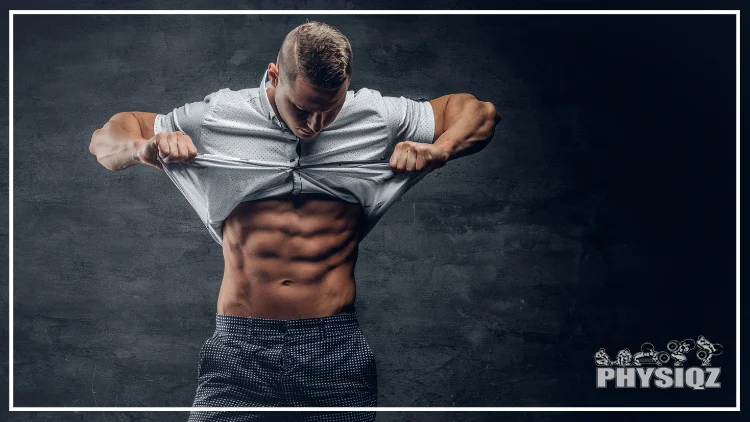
{"points": [[601, 215]]}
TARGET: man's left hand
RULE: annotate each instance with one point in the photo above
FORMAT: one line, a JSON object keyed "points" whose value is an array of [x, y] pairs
{"points": [[414, 156]]}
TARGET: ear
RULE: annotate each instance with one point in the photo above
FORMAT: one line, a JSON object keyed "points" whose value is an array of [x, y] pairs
{"points": [[273, 74]]}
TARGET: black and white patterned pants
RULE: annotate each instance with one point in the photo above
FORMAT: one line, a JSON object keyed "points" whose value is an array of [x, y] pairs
{"points": [[311, 362]]}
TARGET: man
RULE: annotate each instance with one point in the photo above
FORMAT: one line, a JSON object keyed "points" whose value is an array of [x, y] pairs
{"points": [[288, 179]]}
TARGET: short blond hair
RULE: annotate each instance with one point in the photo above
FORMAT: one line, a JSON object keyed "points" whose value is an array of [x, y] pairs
{"points": [[317, 51]]}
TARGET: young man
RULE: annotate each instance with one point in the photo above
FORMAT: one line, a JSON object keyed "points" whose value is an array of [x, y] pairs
{"points": [[289, 178]]}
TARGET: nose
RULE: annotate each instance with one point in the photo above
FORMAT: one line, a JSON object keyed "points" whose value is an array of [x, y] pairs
{"points": [[316, 122]]}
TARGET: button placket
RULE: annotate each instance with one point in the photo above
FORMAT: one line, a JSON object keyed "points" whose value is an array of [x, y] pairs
{"points": [[296, 178], [297, 151]]}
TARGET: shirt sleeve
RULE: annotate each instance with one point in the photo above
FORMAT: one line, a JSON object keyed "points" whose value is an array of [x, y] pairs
{"points": [[409, 120], [187, 119]]}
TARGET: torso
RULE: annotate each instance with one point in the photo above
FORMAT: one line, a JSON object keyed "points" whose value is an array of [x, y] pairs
{"points": [[290, 257]]}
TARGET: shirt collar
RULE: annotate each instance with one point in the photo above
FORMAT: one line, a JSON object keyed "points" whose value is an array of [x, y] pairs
{"points": [[266, 104]]}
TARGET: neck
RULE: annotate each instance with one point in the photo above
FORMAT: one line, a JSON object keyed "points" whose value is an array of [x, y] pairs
{"points": [[270, 92]]}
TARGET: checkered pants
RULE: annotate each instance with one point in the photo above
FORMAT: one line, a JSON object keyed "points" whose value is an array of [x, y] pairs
{"points": [[311, 362]]}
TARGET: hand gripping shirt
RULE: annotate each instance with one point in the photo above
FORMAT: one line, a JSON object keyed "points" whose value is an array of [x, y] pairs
{"points": [[245, 152]]}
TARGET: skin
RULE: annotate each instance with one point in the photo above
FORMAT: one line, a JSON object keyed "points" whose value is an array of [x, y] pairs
{"points": [[293, 256]]}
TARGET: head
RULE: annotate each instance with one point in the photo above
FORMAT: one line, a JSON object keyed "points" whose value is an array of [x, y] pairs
{"points": [[702, 342], [311, 77]]}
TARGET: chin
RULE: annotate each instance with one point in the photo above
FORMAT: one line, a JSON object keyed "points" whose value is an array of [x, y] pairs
{"points": [[301, 134]]}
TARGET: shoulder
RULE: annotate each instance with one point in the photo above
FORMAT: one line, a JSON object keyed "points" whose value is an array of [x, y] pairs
{"points": [[374, 98], [227, 94], [231, 102], [365, 95], [365, 100], [389, 108]]}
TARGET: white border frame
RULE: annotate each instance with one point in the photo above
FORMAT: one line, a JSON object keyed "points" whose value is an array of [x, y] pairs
{"points": [[11, 13]]}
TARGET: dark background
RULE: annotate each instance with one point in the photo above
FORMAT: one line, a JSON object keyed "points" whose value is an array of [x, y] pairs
{"points": [[601, 215]]}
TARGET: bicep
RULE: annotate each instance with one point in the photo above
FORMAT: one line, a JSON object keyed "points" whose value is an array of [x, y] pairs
{"points": [[438, 109], [135, 122], [146, 123]]}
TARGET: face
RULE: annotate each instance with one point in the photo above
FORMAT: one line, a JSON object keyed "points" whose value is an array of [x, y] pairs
{"points": [[304, 109]]}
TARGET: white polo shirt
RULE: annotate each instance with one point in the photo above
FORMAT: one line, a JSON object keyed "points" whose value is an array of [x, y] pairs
{"points": [[245, 152]]}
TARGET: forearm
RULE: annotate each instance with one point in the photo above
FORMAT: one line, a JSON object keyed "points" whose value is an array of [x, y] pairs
{"points": [[469, 125], [116, 143]]}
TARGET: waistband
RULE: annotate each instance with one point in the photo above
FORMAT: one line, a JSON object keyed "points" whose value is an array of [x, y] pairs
{"points": [[234, 324]]}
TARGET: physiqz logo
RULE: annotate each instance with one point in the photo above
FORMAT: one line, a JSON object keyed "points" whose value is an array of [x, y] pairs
{"points": [[649, 367]]}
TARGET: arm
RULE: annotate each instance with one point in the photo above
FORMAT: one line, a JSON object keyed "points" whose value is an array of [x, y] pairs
{"points": [[128, 138], [463, 126], [115, 145]]}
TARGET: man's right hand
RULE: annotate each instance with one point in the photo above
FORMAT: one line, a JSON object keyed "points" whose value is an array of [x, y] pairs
{"points": [[172, 147]]}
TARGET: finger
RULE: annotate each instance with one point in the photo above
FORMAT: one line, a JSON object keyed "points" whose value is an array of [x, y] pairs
{"points": [[173, 151], [411, 159], [408, 150], [182, 151], [192, 150], [394, 160], [394, 157], [400, 163], [163, 146]]}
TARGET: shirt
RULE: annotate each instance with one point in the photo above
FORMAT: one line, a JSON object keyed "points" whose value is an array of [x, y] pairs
{"points": [[245, 152]]}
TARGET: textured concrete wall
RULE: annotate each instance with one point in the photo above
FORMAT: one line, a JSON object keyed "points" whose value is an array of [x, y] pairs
{"points": [[601, 215]]}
